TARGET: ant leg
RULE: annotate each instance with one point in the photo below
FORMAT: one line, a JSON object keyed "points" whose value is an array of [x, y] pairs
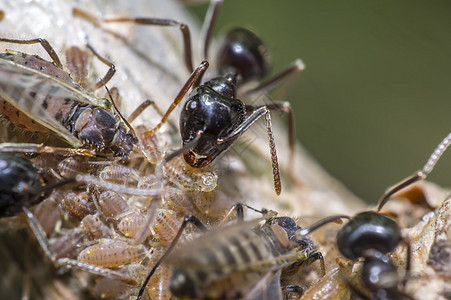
{"points": [[296, 67], [39, 233], [418, 175], [44, 43], [146, 21], [2, 14], [209, 23], [111, 71], [191, 80], [189, 219], [40, 148]]}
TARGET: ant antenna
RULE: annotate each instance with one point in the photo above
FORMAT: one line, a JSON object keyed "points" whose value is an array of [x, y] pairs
{"points": [[418, 175]]}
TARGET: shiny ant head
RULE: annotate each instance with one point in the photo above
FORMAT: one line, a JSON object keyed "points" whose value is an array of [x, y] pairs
{"points": [[215, 116], [368, 231], [244, 51], [18, 179]]}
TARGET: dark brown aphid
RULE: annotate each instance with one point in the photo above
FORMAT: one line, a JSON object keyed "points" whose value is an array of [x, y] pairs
{"points": [[39, 96]]}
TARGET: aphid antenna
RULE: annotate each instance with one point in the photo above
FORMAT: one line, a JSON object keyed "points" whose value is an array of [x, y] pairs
{"points": [[40, 148], [238, 208], [418, 175], [50, 187], [132, 131], [331, 219], [150, 217], [39, 233], [122, 189]]}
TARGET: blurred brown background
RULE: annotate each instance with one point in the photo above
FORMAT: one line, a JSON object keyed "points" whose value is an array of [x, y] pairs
{"points": [[375, 98]]}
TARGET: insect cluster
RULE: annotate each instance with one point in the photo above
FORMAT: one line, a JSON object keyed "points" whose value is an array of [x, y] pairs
{"points": [[110, 196]]}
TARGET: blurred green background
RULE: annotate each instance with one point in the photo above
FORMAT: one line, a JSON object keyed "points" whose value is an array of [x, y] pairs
{"points": [[375, 98]]}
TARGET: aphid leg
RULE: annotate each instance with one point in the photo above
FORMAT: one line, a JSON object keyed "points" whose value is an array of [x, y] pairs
{"points": [[111, 71], [146, 21], [189, 219], [292, 70], [418, 175], [356, 291], [40, 148], [44, 43], [209, 24], [191, 80], [39, 233], [408, 262], [295, 289], [317, 256], [141, 108], [145, 104]]}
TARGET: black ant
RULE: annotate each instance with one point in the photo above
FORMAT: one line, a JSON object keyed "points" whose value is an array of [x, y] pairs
{"points": [[212, 117], [24, 185], [21, 184], [372, 236]]}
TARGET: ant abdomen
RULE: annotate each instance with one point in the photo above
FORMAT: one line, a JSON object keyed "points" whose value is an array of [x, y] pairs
{"points": [[244, 51]]}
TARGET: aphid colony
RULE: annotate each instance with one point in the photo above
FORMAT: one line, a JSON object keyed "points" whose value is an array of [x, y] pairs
{"points": [[112, 203]]}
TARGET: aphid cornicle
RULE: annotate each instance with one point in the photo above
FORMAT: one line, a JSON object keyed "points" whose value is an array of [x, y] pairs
{"points": [[240, 260], [39, 95], [213, 118]]}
